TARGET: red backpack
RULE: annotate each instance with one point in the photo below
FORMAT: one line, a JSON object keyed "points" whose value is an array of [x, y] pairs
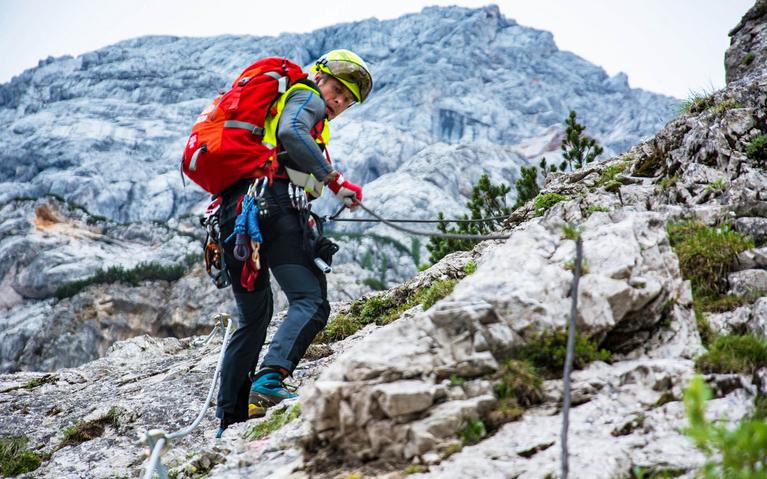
{"points": [[226, 141]]}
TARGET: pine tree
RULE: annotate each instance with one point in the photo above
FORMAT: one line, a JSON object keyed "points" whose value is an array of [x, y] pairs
{"points": [[487, 200], [527, 185], [577, 148]]}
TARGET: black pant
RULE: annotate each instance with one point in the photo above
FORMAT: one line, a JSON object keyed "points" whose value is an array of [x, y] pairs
{"points": [[283, 253]]}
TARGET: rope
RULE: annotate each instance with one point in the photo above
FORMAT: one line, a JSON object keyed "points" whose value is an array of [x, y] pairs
{"points": [[426, 233], [374, 220], [158, 439], [569, 356]]}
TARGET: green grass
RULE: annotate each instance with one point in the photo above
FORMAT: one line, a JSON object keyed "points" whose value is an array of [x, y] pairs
{"points": [[609, 179], [591, 209], [748, 59], [723, 303], [382, 310], [706, 254], [472, 432], [415, 469], [734, 354], [278, 419], [84, 431], [37, 382], [547, 352], [518, 387], [15, 458], [717, 185], [470, 267], [133, 276], [757, 149], [698, 102], [668, 182], [725, 105], [649, 166], [543, 202]]}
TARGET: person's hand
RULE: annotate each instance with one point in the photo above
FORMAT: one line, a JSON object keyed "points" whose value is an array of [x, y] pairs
{"points": [[346, 192]]}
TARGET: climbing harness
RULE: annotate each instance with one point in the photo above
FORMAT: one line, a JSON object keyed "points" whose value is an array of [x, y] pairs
{"points": [[160, 441], [319, 249]]}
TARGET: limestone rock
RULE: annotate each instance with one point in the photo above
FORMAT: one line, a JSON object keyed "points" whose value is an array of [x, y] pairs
{"points": [[748, 43]]}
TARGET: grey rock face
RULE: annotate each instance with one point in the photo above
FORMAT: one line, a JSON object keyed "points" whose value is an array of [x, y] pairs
{"points": [[748, 43]]}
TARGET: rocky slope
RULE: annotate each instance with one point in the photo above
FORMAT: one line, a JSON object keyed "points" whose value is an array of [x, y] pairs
{"points": [[391, 398], [102, 132]]}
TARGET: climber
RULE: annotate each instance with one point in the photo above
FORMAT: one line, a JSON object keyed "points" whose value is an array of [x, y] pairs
{"points": [[341, 79]]}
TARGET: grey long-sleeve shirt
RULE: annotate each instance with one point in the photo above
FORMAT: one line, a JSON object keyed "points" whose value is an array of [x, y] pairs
{"points": [[303, 109]]}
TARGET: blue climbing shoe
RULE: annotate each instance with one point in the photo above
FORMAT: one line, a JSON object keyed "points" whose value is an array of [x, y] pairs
{"points": [[268, 389]]}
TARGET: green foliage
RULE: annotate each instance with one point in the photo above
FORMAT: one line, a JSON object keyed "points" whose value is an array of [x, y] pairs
{"points": [[37, 382], [15, 458], [473, 431], [668, 182], [571, 231], [698, 102], [435, 292], [545, 201], [470, 267], [748, 59], [278, 419], [591, 209], [609, 179], [519, 386], [734, 354], [134, 276], [577, 148], [367, 260], [723, 303], [725, 105], [487, 200], [717, 185], [707, 334], [415, 469], [757, 149], [381, 310], [374, 283], [547, 352], [706, 254], [527, 185], [546, 169], [84, 431], [740, 452], [642, 473], [415, 250], [456, 380]]}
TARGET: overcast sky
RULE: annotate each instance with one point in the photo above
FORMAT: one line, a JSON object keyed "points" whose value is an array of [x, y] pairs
{"points": [[668, 46]]}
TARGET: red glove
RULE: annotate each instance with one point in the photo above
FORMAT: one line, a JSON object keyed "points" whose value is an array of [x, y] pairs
{"points": [[347, 193]]}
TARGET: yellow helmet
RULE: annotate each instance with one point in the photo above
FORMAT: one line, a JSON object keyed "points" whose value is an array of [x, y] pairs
{"points": [[348, 68]]}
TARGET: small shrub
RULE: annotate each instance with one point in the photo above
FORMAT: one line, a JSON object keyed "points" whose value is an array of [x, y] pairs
{"points": [[276, 421], [737, 452], [527, 185], [591, 209], [571, 231], [609, 179], [706, 254], [757, 149], [577, 148], [374, 283], [472, 432], [717, 185], [734, 354], [519, 386], [545, 201], [547, 352], [15, 458], [668, 182], [456, 380], [570, 266], [470, 267], [436, 291], [698, 102], [748, 59], [37, 382], [725, 105]]}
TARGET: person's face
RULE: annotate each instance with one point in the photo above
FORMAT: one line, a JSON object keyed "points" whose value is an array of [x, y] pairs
{"points": [[337, 97]]}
